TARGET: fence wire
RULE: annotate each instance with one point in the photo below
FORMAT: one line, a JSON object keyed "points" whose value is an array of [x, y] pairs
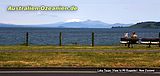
{"points": [[68, 38]]}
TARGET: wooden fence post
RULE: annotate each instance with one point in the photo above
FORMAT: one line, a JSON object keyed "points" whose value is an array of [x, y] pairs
{"points": [[92, 38], [159, 39], [60, 39], [27, 39]]}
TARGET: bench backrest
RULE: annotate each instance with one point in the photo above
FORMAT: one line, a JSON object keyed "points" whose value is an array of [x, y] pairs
{"points": [[129, 39], [150, 39]]}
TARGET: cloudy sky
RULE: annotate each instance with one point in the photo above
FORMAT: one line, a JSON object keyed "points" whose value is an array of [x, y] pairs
{"points": [[108, 11]]}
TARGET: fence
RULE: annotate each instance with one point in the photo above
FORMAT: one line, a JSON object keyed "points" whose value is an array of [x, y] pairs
{"points": [[44, 38], [60, 39], [64, 38]]}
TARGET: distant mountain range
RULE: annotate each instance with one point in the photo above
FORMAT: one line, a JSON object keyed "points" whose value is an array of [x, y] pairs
{"points": [[90, 24], [153, 25], [81, 24], [7, 25]]}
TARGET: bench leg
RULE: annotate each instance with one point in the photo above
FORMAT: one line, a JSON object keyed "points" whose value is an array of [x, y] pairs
{"points": [[150, 44], [125, 44]]}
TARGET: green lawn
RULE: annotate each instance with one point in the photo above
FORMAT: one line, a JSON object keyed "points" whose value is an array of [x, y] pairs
{"points": [[121, 47], [79, 59]]}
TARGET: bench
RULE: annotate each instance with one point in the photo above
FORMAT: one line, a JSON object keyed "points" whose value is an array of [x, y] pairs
{"points": [[150, 41], [147, 41], [129, 41]]}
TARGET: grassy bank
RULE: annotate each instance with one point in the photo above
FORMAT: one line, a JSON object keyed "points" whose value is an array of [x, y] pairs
{"points": [[79, 59], [121, 47]]}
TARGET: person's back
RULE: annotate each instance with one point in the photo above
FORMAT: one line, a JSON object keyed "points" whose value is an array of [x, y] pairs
{"points": [[134, 35], [134, 38], [125, 35]]}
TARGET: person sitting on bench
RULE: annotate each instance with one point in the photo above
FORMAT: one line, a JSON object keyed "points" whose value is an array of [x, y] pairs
{"points": [[134, 37], [126, 35]]}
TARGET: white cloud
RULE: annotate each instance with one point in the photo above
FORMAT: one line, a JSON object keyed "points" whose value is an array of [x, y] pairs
{"points": [[46, 14], [73, 20]]}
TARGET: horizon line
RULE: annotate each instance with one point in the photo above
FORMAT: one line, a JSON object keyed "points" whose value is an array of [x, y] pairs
{"points": [[75, 21]]}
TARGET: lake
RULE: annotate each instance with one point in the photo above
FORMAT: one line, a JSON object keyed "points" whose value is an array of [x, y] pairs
{"points": [[70, 36]]}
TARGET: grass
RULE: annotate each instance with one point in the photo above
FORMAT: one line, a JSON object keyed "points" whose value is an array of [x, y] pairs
{"points": [[79, 59], [121, 47]]}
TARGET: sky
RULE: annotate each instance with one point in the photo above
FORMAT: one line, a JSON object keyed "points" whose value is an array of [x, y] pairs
{"points": [[108, 11]]}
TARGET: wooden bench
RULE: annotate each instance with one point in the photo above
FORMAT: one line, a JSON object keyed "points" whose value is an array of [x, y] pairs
{"points": [[147, 41], [129, 41], [150, 41]]}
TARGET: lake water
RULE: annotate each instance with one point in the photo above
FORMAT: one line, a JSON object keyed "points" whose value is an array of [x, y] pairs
{"points": [[70, 36]]}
